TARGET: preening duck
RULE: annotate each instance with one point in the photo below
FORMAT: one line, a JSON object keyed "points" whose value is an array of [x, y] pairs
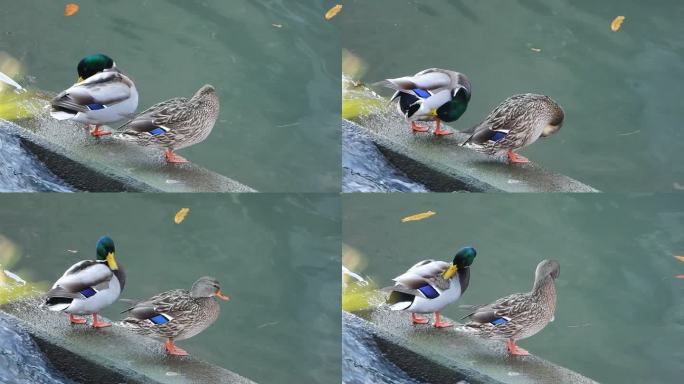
{"points": [[102, 95], [516, 123], [429, 286], [431, 95]]}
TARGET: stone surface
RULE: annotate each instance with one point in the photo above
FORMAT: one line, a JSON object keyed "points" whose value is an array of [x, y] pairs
{"points": [[110, 355], [442, 164], [474, 359], [105, 164]]}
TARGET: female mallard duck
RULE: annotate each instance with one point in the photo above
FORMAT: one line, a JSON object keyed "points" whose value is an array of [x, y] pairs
{"points": [[433, 94], [516, 123], [102, 95], [175, 123], [177, 314], [429, 286], [88, 286], [519, 315]]}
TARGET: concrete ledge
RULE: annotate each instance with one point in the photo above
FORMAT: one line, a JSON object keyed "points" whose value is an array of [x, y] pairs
{"points": [[444, 166], [109, 355], [108, 165], [448, 355]]}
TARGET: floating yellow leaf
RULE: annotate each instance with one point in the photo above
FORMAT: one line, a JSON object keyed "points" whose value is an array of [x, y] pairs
{"points": [[418, 216], [71, 9], [680, 258], [333, 11], [180, 215], [617, 22]]}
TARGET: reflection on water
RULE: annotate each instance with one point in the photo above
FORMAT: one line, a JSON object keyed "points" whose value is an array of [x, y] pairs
{"points": [[619, 302], [276, 256], [620, 90], [278, 84]]}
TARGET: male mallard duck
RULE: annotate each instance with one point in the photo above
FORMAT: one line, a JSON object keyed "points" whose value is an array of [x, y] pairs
{"points": [[176, 123], [433, 94], [519, 315], [429, 286], [88, 286], [102, 95], [516, 123], [177, 314]]}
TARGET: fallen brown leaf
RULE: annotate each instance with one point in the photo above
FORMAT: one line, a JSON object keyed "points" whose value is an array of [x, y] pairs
{"points": [[680, 258], [617, 22], [332, 12], [180, 215], [418, 216], [71, 9]]}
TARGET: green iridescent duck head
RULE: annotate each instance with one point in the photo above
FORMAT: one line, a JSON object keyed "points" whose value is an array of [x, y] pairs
{"points": [[463, 259], [93, 64], [105, 251], [455, 108]]}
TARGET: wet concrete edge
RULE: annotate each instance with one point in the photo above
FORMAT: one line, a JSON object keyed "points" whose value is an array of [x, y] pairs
{"points": [[93, 365], [419, 367], [74, 366]]}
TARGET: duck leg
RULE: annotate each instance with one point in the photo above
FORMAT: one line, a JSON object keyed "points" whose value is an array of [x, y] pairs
{"points": [[172, 349], [438, 129], [99, 324], [415, 319], [514, 349], [439, 323], [417, 128], [76, 320], [516, 159], [171, 157], [99, 132]]}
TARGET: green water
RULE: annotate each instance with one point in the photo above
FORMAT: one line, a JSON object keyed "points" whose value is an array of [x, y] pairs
{"points": [[279, 87], [621, 91], [620, 311], [276, 256]]}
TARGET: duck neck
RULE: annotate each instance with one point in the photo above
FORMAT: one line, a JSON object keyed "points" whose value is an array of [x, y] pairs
{"points": [[121, 276], [544, 287]]}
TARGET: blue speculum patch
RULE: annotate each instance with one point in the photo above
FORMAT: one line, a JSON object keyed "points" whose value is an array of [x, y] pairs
{"points": [[157, 131], [159, 319], [88, 292], [498, 136], [429, 291], [95, 106], [499, 321], [422, 93]]}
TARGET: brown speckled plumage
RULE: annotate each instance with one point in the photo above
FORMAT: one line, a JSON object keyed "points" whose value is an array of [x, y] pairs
{"points": [[189, 313], [528, 313], [524, 118], [186, 121]]}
